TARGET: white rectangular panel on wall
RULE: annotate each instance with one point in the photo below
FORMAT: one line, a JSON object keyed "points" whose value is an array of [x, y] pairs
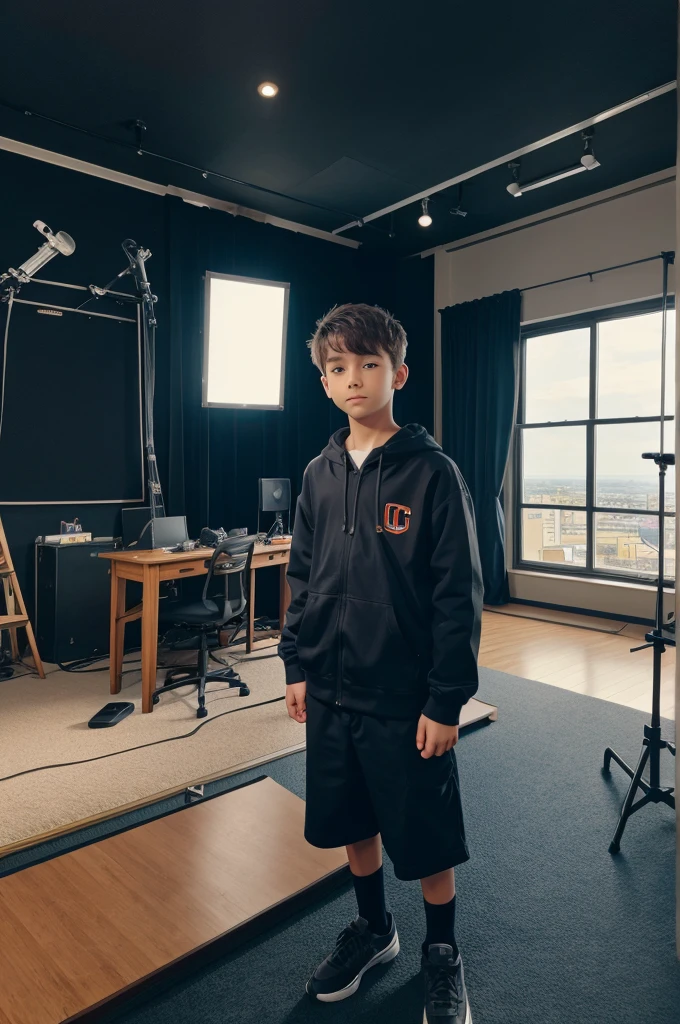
{"points": [[244, 352]]}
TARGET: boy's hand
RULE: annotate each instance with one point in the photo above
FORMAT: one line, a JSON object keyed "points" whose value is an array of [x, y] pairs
{"points": [[435, 738], [296, 701]]}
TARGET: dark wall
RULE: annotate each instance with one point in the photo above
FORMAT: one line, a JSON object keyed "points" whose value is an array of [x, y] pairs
{"points": [[209, 460]]}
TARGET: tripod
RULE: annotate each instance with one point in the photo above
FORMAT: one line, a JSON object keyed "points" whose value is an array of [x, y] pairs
{"points": [[652, 744], [658, 639]]}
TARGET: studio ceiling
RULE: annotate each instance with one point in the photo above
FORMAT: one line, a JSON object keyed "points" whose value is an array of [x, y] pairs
{"points": [[378, 101]]}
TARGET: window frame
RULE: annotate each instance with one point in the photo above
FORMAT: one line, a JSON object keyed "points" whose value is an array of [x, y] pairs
{"points": [[579, 320]]}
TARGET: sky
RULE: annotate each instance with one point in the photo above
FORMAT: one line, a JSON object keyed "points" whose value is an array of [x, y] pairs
{"points": [[629, 384]]}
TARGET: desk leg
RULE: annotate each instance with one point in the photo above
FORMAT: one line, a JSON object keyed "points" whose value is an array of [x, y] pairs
{"points": [[149, 634], [284, 596], [250, 634], [117, 629]]}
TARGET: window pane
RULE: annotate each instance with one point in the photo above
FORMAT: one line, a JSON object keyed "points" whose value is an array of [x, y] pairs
{"points": [[669, 546], [630, 544], [556, 378], [554, 460], [629, 366], [622, 478], [553, 535]]}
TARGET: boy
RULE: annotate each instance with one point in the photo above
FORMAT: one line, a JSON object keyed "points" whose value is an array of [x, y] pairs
{"points": [[380, 650]]}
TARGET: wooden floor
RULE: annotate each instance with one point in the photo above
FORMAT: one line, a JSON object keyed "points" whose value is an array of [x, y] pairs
{"points": [[582, 660]]}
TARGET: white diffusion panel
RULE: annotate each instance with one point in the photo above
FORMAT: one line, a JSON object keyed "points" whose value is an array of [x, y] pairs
{"points": [[245, 341]]}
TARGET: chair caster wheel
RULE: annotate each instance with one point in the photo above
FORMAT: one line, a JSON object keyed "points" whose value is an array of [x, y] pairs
{"points": [[155, 699], [202, 713], [244, 692]]}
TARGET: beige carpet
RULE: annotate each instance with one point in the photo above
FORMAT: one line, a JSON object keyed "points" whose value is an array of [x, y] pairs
{"points": [[44, 722]]}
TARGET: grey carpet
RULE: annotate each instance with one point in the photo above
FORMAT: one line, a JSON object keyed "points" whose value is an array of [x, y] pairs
{"points": [[552, 928]]}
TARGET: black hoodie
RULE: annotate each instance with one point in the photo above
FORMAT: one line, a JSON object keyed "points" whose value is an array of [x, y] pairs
{"points": [[386, 586]]}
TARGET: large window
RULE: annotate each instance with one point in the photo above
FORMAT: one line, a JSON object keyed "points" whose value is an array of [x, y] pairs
{"points": [[590, 405]]}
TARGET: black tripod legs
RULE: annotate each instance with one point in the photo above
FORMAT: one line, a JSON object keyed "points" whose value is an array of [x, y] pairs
{"points": [[636, 777], [654, 793]]}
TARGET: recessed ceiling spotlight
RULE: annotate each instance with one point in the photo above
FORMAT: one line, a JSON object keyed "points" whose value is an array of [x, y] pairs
{"points": [[424, 220], [267, 89]]}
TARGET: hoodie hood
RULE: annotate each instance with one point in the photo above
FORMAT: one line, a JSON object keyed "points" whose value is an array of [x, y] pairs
{"points": [[406, 442]]}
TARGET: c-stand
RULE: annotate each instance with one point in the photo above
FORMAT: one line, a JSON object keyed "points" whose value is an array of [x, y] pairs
{"points": [[137, 257], [658, 639]]}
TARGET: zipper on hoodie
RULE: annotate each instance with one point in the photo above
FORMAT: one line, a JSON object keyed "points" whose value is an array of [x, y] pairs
{"points": [[345, 562]]}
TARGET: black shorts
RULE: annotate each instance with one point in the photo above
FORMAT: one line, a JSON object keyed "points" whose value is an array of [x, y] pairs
{"points": [[365, 775]]}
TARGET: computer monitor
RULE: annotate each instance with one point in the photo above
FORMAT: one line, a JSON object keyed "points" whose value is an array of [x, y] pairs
{"points": [[163, 532], [142, 532]]}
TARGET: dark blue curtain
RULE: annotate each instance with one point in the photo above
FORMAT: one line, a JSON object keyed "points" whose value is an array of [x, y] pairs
{"points": [[210, 459], [480, 346]]}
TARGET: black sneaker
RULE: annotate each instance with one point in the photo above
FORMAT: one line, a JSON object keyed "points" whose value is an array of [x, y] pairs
{"points": [[356, 950], [446, 1000]]}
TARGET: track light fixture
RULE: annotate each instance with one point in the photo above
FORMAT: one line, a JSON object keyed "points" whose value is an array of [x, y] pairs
{"points": [[588, 162], [424, 220]]}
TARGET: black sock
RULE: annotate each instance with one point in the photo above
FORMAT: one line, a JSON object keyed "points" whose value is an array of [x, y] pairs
{"points": [[440, 918], [370, 892]]}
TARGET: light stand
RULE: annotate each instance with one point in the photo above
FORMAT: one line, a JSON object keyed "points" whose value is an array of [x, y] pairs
{"points": [[137, 258], [658, 639]]}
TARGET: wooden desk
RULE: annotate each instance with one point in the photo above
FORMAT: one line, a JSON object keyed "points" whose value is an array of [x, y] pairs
{"points": [[149, 568]]}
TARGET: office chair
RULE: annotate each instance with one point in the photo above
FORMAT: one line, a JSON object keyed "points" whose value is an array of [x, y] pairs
{"points": [[210, 614]]}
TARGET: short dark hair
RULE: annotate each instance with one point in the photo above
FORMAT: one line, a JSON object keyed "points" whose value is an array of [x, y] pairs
{"points": [[365, 330]]}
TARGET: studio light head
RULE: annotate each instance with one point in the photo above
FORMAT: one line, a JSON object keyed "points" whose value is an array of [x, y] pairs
{"points": [[59, 243]]}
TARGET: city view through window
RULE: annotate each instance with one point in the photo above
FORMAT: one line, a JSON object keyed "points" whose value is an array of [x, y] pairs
{"points": [[581, 464]]}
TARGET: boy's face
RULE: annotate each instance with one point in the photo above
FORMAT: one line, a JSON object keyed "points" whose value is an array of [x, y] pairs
{"points": [[361, 385]]}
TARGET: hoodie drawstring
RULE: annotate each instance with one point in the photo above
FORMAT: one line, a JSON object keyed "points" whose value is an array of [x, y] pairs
{"points": [[344, 496], [378, 525]]}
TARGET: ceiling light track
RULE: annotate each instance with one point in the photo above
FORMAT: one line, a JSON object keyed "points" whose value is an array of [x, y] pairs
{"points": [[588, 162], [507, 158], [140, 127]]}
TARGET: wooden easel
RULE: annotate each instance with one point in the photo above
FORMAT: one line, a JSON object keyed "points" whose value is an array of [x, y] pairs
{"points": [[16, 609]]}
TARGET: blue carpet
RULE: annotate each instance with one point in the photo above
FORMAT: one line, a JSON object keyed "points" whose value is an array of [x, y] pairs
{"points": [[552, 928]]}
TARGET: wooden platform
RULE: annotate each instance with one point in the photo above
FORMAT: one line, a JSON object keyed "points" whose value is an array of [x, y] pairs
{"points": [[85, 930], [476, 711]]}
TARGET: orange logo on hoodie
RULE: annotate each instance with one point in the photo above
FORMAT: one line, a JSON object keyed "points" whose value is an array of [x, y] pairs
{"points": [[397, 517]]}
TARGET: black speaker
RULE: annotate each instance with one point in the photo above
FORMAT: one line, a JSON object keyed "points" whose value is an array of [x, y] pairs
{"points": [[274, 494], [72, 600]]}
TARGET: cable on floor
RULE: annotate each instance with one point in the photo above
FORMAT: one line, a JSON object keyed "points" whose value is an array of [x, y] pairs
{"points": [[143, 746]]}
